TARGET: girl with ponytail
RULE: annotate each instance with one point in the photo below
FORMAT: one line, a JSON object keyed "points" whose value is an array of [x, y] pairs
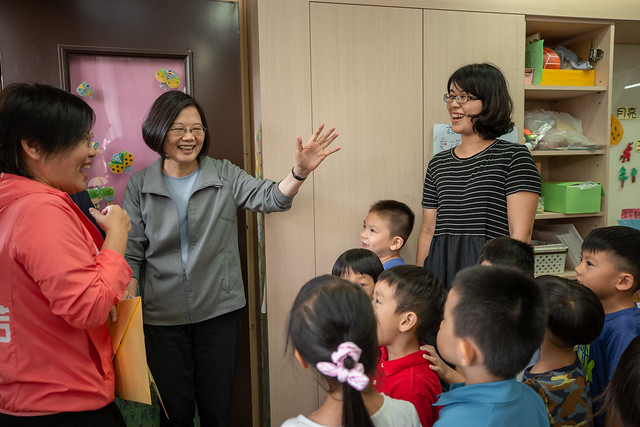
{"points": [[333, 329]]}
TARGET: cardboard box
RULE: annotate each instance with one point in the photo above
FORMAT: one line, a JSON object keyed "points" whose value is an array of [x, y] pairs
{"points": [[572, 197], [568, 77]]}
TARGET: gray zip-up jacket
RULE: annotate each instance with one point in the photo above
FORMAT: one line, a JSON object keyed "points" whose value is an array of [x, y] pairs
{"points": [[212, 282]]}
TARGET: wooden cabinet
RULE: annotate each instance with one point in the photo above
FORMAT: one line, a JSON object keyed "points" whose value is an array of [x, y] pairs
{"points": [[377, 70], [591, 104]]}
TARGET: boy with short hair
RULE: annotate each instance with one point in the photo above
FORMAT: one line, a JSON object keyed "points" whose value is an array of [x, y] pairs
{"points": [[575, 316], [386, 229], [508, 252], [408, 303], [494, 319], [610, 267], [360, 267]]}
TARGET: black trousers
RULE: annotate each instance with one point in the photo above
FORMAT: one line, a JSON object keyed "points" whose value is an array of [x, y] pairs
{"points": [[109, 416], [195, 364]]}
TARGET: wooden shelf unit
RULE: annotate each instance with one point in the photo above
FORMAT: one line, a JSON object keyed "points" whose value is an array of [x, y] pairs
{"points": [[591, 104]]}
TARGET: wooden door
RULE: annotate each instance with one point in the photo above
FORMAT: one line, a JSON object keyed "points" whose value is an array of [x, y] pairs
{"points": [[31, 30]]}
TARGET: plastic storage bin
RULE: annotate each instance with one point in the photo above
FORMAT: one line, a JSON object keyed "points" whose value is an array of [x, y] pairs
{"points": [[549, 258]]}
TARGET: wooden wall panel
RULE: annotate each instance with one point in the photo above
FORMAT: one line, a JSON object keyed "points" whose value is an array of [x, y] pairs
{"points": [[289, 236]]}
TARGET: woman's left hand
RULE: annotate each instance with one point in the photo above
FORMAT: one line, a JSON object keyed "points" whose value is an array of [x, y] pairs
{"points": [[309, 156]]}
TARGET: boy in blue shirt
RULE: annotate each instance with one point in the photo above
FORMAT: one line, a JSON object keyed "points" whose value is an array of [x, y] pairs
{"points": [[610, 267], [494, 319], [386, 229]]}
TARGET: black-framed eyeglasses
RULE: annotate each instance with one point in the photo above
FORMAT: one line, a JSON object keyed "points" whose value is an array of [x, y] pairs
{"points": [[181, 130], [461, 98]]}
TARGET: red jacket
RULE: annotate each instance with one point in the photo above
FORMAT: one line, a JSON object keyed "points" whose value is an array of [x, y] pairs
{"points": [[56, 291]]}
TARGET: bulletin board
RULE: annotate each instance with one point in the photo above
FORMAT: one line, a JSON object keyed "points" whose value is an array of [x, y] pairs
{"points": [[624, 155], [120, 86]]}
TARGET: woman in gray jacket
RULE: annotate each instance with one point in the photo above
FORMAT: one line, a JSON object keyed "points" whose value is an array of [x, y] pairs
{"points": [[183, 250]]}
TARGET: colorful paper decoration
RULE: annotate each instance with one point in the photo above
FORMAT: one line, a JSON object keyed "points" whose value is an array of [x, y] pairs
{"points": [[622, 176], [626, 153], [616, 131], [121, 162], [84, 89], [167, 78]]}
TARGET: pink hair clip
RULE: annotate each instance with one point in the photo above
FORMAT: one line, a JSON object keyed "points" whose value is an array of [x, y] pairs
{"points": [[355, 376]]}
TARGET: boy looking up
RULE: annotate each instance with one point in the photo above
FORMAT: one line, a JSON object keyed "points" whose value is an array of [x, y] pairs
{"points": [[386, 229], [408, 303], [610, 267], [494, 319]]}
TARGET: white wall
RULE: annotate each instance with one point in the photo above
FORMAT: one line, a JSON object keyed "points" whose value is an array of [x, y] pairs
{"points": [[626, 71]]}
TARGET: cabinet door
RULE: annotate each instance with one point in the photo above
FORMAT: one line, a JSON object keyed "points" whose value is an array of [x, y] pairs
{"points": [[366, 74], [453, 39]]}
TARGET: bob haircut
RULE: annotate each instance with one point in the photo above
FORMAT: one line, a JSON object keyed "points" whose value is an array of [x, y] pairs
{"points": [[622, 243], [418, 290], [360, 261], [161, 116], [487, 83], [621, 395], [503, 312], [509, 252], [327, 312], [44, 116], [575, 314]]}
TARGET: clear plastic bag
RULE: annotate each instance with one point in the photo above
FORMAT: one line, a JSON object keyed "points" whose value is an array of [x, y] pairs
{"points": [[551, 130]]}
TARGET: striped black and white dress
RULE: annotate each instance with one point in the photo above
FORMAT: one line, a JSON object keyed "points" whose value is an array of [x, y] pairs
{"points": [[470, 196]]}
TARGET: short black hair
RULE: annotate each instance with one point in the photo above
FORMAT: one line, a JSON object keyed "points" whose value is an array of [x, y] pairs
{"points": [[50, 118], [623, 243], [400, 216], [418, 290], [503, 311], [161, 116], [620, 396], [360, 261], [487, 83], [509, 252], [575, 314]]}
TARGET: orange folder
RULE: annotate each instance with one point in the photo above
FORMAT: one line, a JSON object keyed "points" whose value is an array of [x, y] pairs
{"points": [[129, 355]]}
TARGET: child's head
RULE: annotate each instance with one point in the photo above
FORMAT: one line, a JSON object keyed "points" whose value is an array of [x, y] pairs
{"points": [[497, 312], [487, 83], [387, 227], [329, 318], [575, 314], [610, 262], [621, 395], [508, 252], [407, 299], [359, 266]]}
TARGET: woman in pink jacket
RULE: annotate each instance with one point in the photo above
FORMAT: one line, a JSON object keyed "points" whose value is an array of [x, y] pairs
{"points": [[58, 278]]}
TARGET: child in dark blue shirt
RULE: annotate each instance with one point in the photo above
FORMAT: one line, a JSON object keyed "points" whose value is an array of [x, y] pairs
{"points": [[610, 267]]}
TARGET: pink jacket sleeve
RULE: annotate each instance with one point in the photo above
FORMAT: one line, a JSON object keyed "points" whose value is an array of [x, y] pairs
{"points": [[57, 251]]}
